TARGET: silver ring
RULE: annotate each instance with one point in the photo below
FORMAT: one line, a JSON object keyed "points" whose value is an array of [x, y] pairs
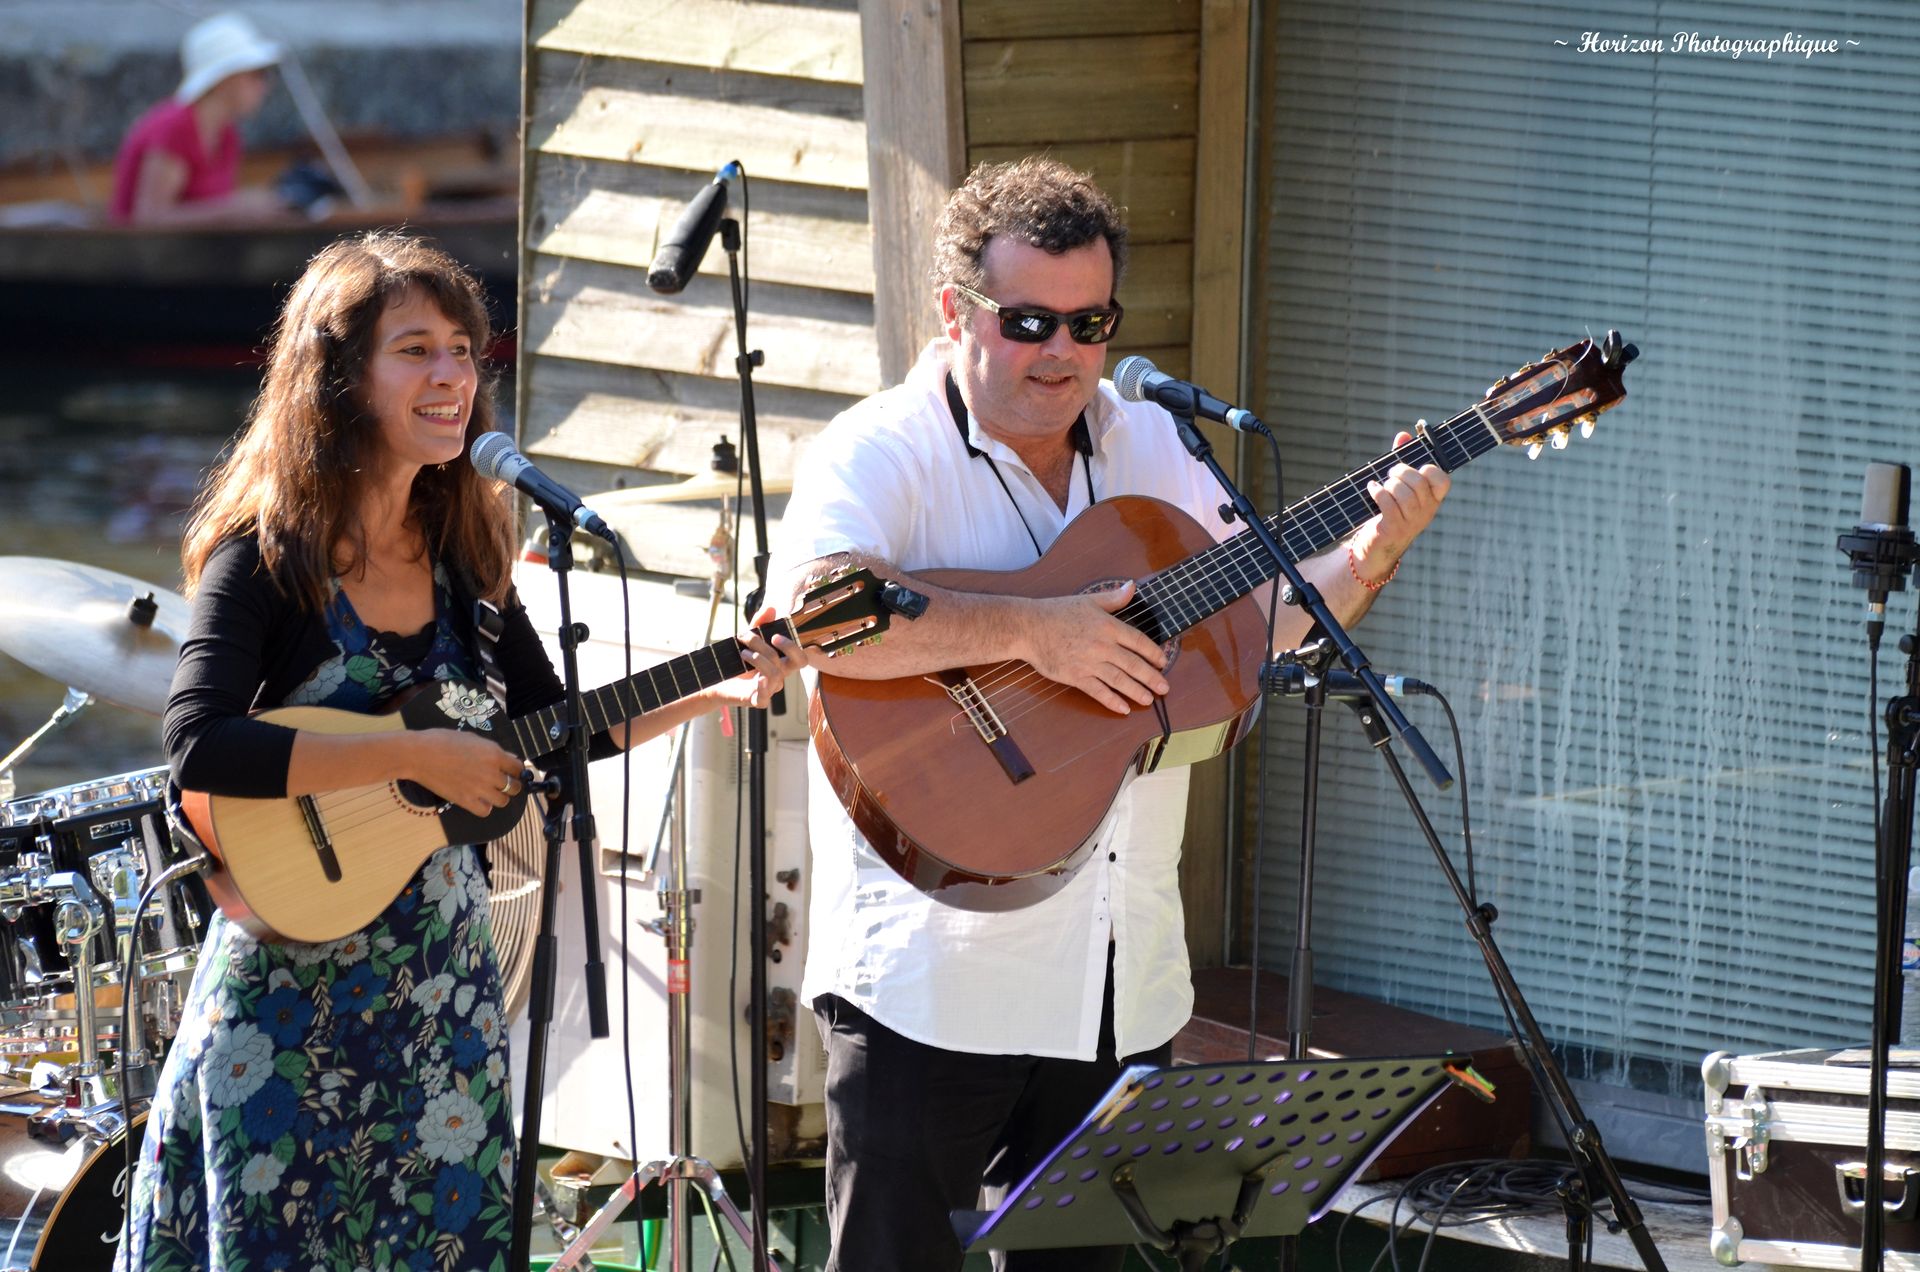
{"points": [[506, 787]]}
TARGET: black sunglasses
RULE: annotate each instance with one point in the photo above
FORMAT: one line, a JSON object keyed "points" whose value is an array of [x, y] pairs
{"points": [[1034, 326]]}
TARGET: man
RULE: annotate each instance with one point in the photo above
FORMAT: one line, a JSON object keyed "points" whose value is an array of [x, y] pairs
{"points": [[963, 1045]]}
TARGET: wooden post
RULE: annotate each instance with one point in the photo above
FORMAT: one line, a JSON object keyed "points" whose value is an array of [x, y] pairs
{"points": [[1219, 235], [916, 155]]}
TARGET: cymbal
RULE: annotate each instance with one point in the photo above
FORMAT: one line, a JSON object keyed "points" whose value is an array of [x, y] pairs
{"points": [[70, 622], [702, 486]]}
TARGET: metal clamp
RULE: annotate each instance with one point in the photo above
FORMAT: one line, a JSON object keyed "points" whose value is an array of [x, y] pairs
{"points": [[1850, 1181], [1746, 1125]]}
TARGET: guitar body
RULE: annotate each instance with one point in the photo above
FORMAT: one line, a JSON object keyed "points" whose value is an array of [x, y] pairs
{"points": [[985, 786], [318, 867], [942, 807]]}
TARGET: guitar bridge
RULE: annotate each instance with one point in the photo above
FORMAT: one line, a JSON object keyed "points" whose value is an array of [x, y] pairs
{"points": [[973, 704], [317, 831]]}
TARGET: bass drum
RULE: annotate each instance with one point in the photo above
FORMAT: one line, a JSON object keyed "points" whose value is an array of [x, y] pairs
{"points": [[62, 1187]]}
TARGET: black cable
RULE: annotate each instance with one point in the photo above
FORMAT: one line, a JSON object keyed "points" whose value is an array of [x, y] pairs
{"points": [[1873, 738], [1535, 1068], [1466, 812], [1340, 1233], [626, 805], [1260, 806], [129, 1000], [739, 851], [746, 270]]}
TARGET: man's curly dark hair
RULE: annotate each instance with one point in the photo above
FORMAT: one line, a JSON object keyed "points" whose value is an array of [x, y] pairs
{"points": [[1038, 201]]}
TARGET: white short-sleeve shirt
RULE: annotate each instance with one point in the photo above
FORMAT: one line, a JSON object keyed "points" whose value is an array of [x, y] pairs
{"points": [[892, 477]]}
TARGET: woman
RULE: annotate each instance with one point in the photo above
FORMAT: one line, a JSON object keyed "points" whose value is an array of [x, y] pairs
{"points": [[345, 1105], [180, 162]]}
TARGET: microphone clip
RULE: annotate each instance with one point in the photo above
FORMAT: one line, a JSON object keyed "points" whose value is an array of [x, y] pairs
{"points": [[1881, 558]]}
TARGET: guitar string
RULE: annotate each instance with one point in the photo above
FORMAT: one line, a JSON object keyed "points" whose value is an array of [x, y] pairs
{"points": [[1243, 554], [345, 812], [369, 805], [1239, 553], [1429, 444]]}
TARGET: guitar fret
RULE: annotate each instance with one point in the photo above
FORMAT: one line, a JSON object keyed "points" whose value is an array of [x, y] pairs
{"points": [[1479, 412], [593, 709], [1189, 591]]}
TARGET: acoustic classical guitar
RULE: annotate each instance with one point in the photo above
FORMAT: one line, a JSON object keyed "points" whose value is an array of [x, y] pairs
{"points": [[318, 867], [986, 786]]}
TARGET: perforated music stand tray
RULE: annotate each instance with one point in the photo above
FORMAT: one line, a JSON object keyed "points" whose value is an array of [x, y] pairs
{"points": [[1197, 1153]]}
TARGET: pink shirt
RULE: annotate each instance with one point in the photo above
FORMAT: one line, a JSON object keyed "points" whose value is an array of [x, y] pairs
{"points": [[170, 127]]}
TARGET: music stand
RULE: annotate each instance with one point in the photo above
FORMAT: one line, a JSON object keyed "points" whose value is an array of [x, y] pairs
{"points": [[1190, 1159]]}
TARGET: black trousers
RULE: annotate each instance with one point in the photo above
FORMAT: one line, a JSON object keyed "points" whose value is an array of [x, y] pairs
{"points": [[914, 1132]]}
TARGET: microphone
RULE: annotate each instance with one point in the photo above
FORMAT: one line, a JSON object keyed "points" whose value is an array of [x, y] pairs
{"points": [[1881, 548], [495, 456], [680, 255], [1290, 680], [1138, 381]]}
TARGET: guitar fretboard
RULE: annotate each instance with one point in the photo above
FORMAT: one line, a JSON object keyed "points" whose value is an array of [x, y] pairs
{"points": [[1207, 582], [541, 731]]}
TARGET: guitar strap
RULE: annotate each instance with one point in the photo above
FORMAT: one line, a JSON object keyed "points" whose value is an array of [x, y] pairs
{"points": [[488, 624], [1079, 436], [1081, 439]]}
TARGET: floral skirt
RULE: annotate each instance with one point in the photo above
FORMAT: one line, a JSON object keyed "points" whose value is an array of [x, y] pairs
{"points": [[338, 1106]]}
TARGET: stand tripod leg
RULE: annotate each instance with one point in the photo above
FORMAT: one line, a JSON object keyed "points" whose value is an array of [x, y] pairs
{"points": [[686, 1169]]}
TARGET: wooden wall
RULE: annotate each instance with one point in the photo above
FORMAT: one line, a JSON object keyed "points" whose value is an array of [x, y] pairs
{"points": [[634, 106], [1149, 95], [853, 118]]}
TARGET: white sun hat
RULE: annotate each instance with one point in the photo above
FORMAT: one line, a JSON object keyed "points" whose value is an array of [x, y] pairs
{"points": [[222, 45]]}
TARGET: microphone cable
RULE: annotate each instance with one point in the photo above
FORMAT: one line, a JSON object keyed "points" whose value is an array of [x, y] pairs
{"points": [[1260, 805], [129, 999]]}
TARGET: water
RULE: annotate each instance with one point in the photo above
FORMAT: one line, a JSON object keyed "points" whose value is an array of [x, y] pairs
{"points": [[100, 466]]}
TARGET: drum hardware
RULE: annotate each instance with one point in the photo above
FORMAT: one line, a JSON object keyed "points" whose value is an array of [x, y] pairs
{"points": [[63, 715], [77, 917], [96, 631], [137, 1075]]}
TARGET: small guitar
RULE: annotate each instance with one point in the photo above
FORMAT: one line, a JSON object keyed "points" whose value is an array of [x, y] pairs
{"points": [[985, 786], [318, 867]]}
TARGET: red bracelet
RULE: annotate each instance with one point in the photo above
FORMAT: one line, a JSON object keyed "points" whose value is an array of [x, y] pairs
{"points": [[1354, 569]]}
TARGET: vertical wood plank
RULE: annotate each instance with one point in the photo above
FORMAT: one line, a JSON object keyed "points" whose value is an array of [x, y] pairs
{"points": [[1219, 237], [916, 155]]}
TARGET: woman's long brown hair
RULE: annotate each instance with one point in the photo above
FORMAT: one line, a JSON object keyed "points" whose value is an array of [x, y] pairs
{"points": [[294, 476]]}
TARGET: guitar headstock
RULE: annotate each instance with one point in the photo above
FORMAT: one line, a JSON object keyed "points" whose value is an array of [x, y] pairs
{"points": [[841, 612], [1541, 403]]}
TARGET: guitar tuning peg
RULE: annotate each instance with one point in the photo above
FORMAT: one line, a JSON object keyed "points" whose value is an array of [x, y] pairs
{"points": [[1534, 449], [1586, 428], [1558, 437]]}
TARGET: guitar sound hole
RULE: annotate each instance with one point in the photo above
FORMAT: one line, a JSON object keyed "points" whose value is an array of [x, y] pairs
{"points": [[417, 798]]}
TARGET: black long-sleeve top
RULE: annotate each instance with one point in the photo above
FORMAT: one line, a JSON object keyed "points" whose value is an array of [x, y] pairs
{"points": [[251, 644]]}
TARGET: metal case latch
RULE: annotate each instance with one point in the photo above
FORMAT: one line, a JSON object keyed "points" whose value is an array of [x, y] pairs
{"points": [[1746, 1125]]}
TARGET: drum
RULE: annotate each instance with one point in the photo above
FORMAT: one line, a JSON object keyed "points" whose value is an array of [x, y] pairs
{"points": [[113, 832], [62, 1184]]}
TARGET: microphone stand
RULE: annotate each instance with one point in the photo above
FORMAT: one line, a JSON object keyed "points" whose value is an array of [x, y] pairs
{"points": [[1882, 556], [1893, 854], [1584, 1141], [1313, 658], [546, 944], [756, 751], [1305, 595]]}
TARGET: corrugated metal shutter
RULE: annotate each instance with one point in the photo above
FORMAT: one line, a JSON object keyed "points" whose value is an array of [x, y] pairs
{"points": [[1653, 644]]}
